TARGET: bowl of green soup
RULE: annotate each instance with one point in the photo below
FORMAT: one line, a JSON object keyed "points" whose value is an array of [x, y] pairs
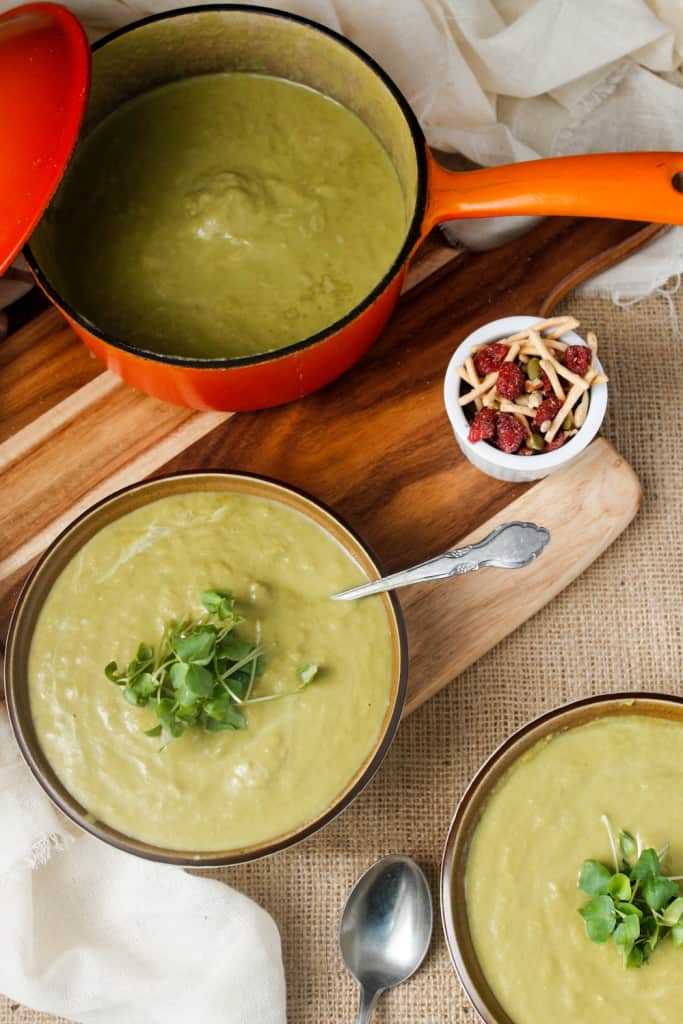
{"points": [[234, 225], [180, 682], [561, 879]]}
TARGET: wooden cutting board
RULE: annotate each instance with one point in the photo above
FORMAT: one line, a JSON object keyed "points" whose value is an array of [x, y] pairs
{"points": [[376, 444]]}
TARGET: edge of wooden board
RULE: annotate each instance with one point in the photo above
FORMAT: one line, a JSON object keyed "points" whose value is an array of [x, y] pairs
{"points": [[608, 258], [31, 453], [599, 491]]}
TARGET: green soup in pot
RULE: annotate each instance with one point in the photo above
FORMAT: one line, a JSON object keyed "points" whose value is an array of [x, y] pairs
{"points": [[223, 215]]}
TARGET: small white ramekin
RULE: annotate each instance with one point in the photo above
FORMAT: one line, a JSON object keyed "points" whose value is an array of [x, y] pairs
{"points": [[486, 457]]}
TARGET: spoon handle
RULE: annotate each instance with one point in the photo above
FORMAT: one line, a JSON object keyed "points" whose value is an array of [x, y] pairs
{"points": [[510, 546], [367, 1005]]}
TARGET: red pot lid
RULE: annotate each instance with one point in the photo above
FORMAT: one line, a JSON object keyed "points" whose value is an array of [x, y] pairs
{"points": [[44, 78]]}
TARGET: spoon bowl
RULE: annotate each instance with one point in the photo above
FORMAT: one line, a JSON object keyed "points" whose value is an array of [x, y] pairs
{"points": [[386, 927]]}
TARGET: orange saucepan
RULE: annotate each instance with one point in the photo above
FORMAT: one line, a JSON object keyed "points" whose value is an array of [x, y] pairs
{"points": [[190, 41]]}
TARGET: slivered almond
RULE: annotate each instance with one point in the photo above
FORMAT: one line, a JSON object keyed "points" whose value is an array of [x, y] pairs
{"points": [[522, 419], [487, 383], [547, 365], [516, 410], [557, 332], [474, 379], [570, 376], [472, 370], [572, 399], [530, 349], [581, 410], [540, 345]]}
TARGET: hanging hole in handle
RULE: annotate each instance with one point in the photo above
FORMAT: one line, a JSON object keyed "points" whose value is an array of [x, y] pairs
{"points": [[677, 181]]}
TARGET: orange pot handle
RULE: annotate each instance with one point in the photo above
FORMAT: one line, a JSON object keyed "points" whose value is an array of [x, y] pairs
{"points": [[625, 186]]}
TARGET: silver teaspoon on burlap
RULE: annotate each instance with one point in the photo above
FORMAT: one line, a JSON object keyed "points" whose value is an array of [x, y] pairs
{"points": [[386, 928], [510, 546]]}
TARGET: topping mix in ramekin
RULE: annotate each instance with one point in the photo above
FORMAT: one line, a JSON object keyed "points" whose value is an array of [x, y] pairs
{"points": [[529, 393]]}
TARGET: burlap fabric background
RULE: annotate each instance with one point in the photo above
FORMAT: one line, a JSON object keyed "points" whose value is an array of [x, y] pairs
{"points": [[618, 626]]}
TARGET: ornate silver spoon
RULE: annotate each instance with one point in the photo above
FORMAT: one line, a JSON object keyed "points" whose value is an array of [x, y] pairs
{"points": [[510, 546]]}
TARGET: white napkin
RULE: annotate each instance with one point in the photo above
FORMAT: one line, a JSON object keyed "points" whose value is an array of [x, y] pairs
{"points": [[98, 936]]}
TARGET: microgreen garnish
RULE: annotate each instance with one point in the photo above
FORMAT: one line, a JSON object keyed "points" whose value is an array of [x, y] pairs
{"points": [[307, 674], [636, 904], [202, 672]]}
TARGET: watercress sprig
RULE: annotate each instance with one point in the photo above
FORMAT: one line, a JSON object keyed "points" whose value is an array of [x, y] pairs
{"points": [[201, 673], [635, 903]]}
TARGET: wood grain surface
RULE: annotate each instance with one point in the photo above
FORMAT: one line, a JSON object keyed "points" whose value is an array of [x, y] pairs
{"points": [[376, 444], [451, 623]]}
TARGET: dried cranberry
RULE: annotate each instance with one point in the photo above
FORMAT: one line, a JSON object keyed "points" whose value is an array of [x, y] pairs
{"points": [[488, 359], [510, 382], [578, 358], [483, 426], [557, 442], [509, 433], [547, 386], [547, 410]]}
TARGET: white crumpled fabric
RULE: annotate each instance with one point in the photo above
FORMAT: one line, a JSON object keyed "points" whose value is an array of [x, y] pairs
{"points": [[98, 936], [506, 80]]}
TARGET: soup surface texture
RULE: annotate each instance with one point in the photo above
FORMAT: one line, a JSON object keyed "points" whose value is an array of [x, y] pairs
{"points": [[540, 824], [223, 215], [210, 791]]}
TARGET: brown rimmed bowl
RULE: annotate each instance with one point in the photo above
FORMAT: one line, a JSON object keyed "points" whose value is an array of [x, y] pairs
{"points": [[67, 545], [473, 803]]}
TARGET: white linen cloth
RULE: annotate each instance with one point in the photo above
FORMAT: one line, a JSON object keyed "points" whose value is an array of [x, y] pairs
{"points": [[98, 936], [507, 80]]}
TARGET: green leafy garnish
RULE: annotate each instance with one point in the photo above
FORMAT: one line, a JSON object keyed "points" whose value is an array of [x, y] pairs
{"points": [[201, 673], [601, 917], [594, 878], [628, 845], [636, 903], [307, 674]]}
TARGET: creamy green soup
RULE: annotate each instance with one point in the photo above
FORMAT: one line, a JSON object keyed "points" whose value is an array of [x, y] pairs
{"points": [[541, 823], [223, 215], [210, 791]]}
